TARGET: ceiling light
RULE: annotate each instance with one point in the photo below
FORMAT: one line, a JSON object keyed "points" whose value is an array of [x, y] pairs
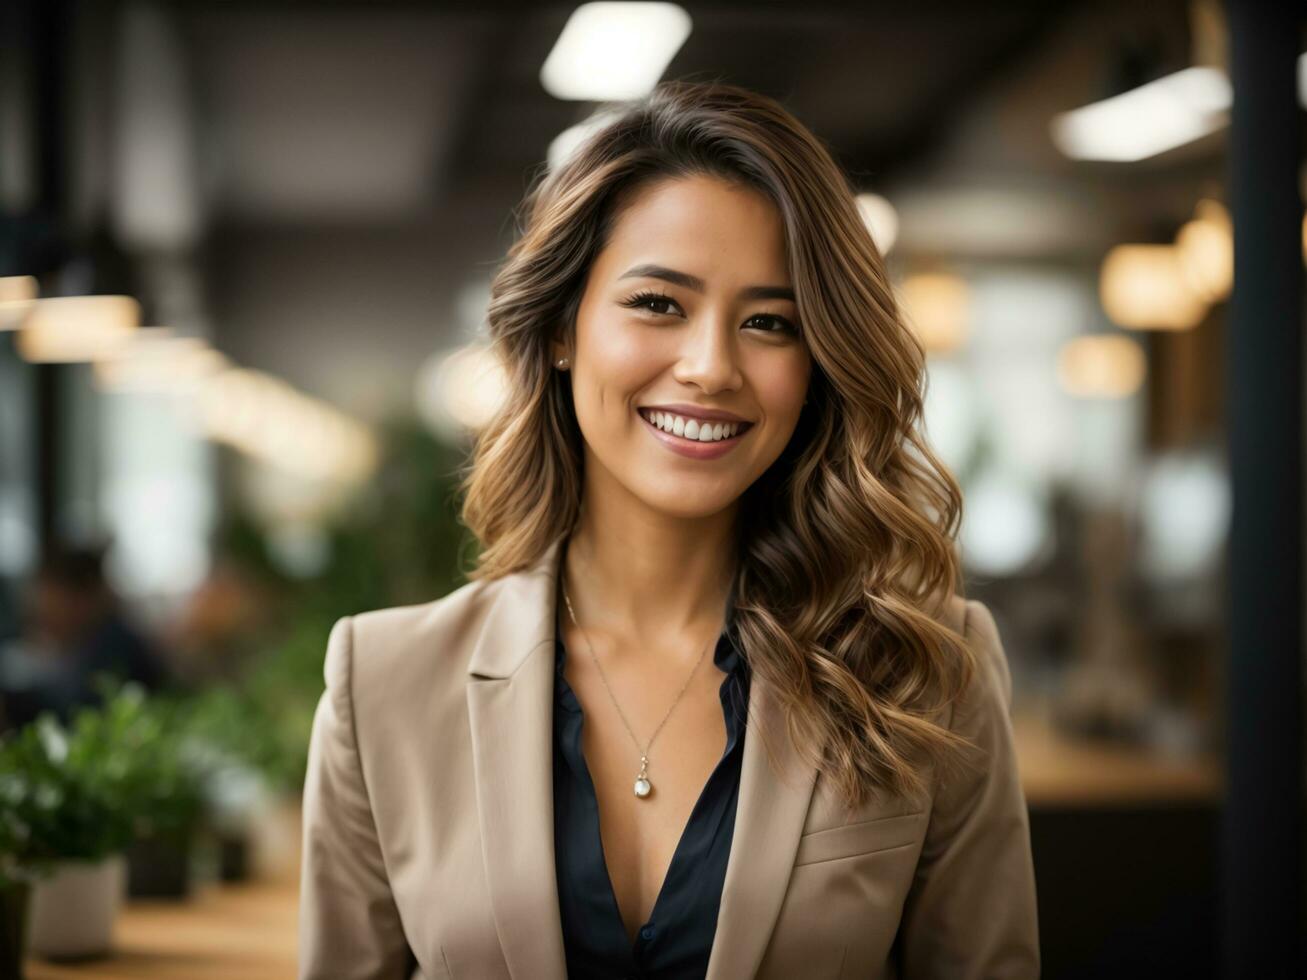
{"points": [[155, 361], [460, 390], [1148, 120], [267, 418], [937, 308], [1143, 287], [881, 220], [1205, 248], [1100, 366], [77, 328], [17, 296], [614, 50]]}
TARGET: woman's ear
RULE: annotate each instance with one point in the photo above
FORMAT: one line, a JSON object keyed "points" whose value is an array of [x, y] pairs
{"points": [[559, 353]]}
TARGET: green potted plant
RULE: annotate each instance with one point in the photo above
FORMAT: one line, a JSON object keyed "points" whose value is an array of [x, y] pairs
{"points": [[162, 777], [75, 799], [65, 825]]}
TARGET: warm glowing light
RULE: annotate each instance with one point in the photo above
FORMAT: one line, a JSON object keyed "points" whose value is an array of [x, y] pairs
{"points": [[1101, 366], [17, 296], [17, 288], [881, 218], [1205, 248], [1151, 119], [611, 51], [267, 418], [1142, 287], [77, 328], [937, 307], [460, 390], [155, 361]]}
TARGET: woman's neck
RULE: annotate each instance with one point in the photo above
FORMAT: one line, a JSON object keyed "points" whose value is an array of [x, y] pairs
{"points": [[637, 574]]}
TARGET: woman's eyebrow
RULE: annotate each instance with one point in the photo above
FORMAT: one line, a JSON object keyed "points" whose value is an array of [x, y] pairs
{"points": [[694, 282]]}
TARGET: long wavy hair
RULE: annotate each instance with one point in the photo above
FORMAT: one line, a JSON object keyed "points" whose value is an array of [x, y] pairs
{"points": [[846, 543]]}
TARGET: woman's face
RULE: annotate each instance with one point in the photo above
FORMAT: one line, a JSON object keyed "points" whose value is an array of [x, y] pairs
{"points": [[689, 306]]}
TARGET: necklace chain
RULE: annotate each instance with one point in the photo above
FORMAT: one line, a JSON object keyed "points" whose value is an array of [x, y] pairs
{"points": [[644, 753]]}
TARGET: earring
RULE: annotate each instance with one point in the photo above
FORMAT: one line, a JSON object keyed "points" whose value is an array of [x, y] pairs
{"points": [[562, 362]]}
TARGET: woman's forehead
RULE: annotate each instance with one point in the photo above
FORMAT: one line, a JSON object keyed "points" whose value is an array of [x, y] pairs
{"points": [[703, 227]]}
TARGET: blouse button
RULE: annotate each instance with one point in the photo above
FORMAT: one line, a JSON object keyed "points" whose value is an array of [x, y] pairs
{"points": [[646, 932]]}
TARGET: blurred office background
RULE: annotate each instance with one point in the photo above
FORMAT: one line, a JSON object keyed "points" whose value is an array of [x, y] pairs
{"points": [[245, 253]]}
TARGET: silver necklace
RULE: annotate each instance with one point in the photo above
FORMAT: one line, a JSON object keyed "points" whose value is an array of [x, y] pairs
{"points": [[643, 786]]}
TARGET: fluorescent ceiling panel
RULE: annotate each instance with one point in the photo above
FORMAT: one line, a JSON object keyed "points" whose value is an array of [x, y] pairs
{"points": [[614, 50], [1148, 120]]}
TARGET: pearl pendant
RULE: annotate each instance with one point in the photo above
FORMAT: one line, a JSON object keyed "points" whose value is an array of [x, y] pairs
{"points": [[642, 785]]}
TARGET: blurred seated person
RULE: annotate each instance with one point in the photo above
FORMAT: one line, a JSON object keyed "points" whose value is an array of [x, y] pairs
{"points": [[218, 629], [75, 629]]}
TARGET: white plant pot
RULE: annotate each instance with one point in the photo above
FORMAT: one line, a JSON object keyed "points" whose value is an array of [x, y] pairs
{"points": [[72, 912]]}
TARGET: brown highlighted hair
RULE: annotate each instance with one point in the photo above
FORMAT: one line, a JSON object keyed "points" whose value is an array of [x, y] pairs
{"points": [[845, 546]]}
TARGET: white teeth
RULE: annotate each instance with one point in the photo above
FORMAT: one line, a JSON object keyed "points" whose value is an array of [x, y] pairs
{"points": [[692, 428]]}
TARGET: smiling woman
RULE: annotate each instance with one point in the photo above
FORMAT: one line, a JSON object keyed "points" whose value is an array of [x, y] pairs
{"points": [[711, 445], [715, 343]]}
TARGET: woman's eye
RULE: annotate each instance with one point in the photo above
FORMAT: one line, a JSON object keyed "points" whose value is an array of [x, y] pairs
{"points": [[647, 301], [780, 324]]}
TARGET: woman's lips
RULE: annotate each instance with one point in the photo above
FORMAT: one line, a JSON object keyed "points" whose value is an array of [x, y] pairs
{"points": [[693, 448]]}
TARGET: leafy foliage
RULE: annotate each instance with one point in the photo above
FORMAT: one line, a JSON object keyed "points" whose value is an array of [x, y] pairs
{"points": [[84, 791]]}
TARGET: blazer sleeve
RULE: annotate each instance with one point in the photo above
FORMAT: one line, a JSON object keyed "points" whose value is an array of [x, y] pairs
{"points": [[349, 926], [971, 910]]}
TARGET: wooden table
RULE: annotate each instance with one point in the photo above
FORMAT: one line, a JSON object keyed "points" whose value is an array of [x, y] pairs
{"points": [[245, 931], [249, 931], [222, 932], [1060, 771]]}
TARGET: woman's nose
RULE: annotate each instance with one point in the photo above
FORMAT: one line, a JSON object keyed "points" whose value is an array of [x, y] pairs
{"points": [[709, 358]]}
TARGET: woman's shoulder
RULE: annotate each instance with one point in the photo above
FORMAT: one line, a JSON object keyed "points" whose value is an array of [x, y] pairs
{"points": [[418, 622], [953, 610], [419, 645], [970, 618], [987, 698], [990, 688]]}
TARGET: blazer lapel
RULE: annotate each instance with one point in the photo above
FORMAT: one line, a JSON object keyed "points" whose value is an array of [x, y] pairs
{"points": [[510, 696], [770, 815], [510, 692]]}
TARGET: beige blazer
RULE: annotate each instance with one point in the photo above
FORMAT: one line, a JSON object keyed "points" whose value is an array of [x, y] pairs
{"points": [[428, 820]]}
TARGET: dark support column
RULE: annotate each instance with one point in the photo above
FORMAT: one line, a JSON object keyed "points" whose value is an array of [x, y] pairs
{"points": [[49, 31], [1262, 893]]}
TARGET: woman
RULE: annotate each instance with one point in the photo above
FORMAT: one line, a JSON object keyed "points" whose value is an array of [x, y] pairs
{"points": [[710, 443]]}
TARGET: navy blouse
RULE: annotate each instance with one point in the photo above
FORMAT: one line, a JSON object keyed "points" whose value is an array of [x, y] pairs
{"points": [[676, 941]]}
